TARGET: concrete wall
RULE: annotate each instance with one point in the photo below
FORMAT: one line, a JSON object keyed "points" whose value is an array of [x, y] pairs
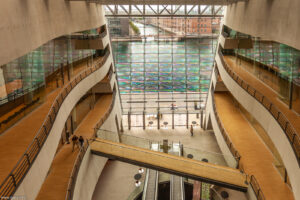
{"points": [[26, 25], [271, 126], [269, 19], [41, 165], [92, 165]]}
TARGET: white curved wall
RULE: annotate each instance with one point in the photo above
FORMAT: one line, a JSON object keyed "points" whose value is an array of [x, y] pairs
{"points": [[271, 126], [41, 165], [25, 25], [92, 165], [268, 19], [229, 158]]}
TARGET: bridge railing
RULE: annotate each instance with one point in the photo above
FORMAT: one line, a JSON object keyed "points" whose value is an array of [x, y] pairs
{"points": [[15, 177], [281, 119], [81, 154]]}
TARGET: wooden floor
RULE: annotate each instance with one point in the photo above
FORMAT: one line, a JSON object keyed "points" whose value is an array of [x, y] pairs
{"points": [[256, 158], [56, 183], [173, 163], [16, 139], [293, 118]]}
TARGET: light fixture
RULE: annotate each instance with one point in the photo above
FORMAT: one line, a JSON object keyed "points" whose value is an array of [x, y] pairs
{"points": [[141, 170], [137, 183]]}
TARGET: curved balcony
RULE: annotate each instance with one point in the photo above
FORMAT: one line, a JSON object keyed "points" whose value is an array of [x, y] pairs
{"points": [[35, 162], [62, 168], [97, 41], [87, 175], [276, 124], [224, 139]]}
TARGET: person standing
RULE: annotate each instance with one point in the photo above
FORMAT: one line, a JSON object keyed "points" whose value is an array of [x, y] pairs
{"points": [[192, 130], [74, 141], [81, 141]]}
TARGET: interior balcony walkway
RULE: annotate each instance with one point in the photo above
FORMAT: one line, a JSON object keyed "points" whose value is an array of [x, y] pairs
{"points": [[16, 139], [239, 67], [256, 158], [202, 171], [56, 184]]}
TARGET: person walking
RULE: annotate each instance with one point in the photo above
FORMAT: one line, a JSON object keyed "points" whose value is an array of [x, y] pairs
{"points": [[74, 141], [81, 141], [192, 130]]}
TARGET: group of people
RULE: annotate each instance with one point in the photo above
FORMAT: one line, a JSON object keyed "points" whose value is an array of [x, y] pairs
{"points": [[76, 141]]}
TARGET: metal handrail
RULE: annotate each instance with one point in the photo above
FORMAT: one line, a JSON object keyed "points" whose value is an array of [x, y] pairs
{"points": [[281, 119], [74, 173], [15, 177], [75, 170], [17, 113], [227, 139], [12, 96], [89, 36], [257, 190]]}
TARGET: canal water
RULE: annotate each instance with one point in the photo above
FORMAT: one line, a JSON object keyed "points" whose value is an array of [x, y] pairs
{"points": [[160, 66]]}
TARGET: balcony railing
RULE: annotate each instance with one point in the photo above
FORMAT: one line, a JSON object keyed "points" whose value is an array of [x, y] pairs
{"points": [[88, 36], [12, 119], [284, 123], [15, 177], [258, 192], [230, 145], [72, 181], [20, 92]]}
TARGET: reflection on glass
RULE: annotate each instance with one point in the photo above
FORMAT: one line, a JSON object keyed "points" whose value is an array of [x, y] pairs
{"points": [[164, 55]]}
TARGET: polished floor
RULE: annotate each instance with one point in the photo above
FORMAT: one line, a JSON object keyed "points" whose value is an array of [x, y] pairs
{"points": [[256, 158], [56, 183]]}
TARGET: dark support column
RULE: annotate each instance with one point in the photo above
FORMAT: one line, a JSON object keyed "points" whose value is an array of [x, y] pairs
{"points": [[201, 119], [187, 119], [129, 121], [68, 68], [62, 74], [291, 95], [72, 127], [173, 122], [144, 120], [158, 120], [122, 128]]}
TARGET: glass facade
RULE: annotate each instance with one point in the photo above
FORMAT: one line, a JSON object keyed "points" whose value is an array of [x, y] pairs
{"points": [[277, 65], [164, 64], [31, 70]]}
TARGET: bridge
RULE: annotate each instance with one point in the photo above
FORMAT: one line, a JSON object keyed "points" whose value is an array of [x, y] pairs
{"points": [[197, 170]]}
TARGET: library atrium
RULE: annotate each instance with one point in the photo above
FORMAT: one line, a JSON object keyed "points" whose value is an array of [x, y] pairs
{"points": [[149, 100]]}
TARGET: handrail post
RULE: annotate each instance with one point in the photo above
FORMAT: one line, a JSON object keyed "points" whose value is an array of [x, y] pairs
{"points": [[27, 158], [14, 180], [38, 142]]}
